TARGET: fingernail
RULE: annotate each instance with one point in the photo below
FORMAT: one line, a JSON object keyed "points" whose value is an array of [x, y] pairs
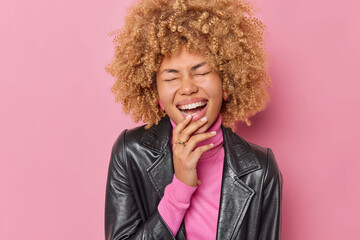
{"points": [[211, 144], [203, 119], [213, 132], [188, 116]]}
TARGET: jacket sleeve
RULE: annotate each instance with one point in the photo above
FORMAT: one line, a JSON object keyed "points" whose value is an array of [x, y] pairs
{"points": [[122, 216], [270, 227]]}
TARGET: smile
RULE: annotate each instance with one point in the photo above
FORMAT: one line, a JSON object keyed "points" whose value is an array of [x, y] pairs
{"points": [[193, 108]]}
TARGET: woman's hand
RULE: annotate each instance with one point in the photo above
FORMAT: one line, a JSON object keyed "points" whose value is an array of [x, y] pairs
{"points": [[186, 156]]}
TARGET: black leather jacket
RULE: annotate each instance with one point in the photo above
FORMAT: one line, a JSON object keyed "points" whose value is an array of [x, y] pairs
{"points": [[141, 167]]}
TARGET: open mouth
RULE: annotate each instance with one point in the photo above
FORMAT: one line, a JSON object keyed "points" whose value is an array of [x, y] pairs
{"points": [[192, 108]]}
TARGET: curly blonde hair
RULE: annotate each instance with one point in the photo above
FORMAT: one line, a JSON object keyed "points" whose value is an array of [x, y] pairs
{"points": [[224, 31]]}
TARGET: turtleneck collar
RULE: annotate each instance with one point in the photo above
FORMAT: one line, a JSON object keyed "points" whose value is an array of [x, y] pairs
{"points": [[217, 140]]}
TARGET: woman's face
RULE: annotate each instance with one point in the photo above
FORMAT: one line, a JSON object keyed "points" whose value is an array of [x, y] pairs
{"points": [[187, 85]]}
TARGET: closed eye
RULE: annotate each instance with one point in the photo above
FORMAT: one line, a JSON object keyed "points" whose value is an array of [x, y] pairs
{"points": [[202, 74], [169, 80]]}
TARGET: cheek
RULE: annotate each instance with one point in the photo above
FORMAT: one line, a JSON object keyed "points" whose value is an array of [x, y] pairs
{"points": [[166, 93], [218, 98], [215, 89]]}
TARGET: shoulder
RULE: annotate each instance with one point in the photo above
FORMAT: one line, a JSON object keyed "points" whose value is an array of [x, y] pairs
{"points": [[132, 135], [263, 156], [127, 151], [128, 138], [141, 142], [270, 169], [267, 160]]}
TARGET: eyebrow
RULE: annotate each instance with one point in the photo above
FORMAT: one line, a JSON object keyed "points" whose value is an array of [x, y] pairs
{"points": [[198, 66], [192, 68]]}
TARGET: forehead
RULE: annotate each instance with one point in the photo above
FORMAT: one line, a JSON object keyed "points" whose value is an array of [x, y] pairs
{"points": [[182, 59]]}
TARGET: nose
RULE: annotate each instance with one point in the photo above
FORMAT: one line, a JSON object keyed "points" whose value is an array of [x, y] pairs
{"points": [[188, 86]]}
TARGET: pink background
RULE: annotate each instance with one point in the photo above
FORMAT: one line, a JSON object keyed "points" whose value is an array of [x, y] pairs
{"points": [[59, 119]]}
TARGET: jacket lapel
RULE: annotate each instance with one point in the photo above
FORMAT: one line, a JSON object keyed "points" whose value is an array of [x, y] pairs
{"points": [[235, 194], [161, 171]]}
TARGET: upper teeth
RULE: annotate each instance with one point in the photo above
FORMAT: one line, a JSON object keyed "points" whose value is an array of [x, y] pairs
{"points": [[192, 105]]}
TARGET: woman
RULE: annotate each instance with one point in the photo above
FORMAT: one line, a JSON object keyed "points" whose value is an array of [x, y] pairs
{"points": [[190, 69]]}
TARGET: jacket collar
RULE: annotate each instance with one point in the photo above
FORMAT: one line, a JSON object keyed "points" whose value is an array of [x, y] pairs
{"points": [[157, 137], [239, 160]]}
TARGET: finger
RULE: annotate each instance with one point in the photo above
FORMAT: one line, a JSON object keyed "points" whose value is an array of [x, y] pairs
{"points": [[179, 128], [198, 182], [194, 140], [200, 150], [192, 127]]}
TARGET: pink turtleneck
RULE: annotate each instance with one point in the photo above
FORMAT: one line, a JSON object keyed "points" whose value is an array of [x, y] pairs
{"points": [[198, 206]]}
